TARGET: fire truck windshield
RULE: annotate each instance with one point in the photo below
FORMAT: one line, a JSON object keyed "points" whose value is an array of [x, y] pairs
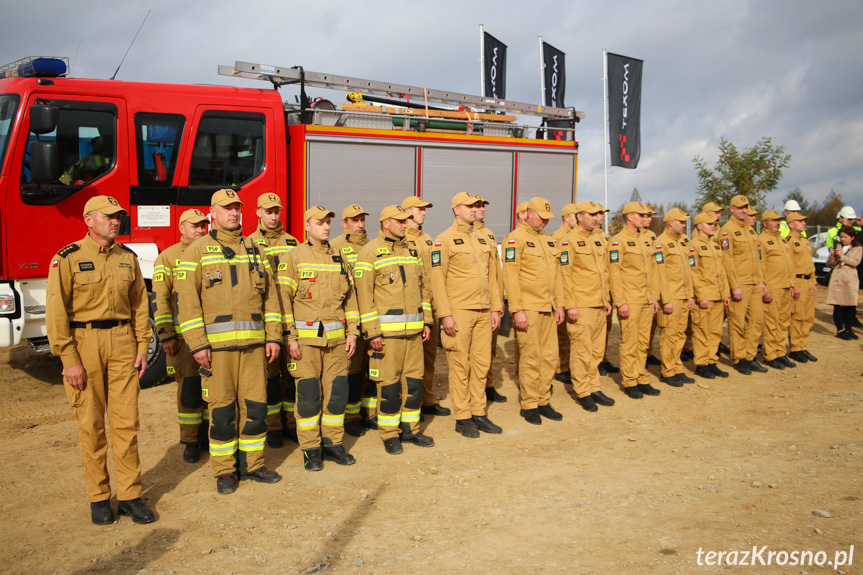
{"points": [[8, 109]]}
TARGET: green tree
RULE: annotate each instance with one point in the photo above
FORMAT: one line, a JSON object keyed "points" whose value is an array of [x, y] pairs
{"points": [[751, 173]]}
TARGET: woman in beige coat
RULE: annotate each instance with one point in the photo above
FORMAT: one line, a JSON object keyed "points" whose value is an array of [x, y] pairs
{"points": [[844, 283]]}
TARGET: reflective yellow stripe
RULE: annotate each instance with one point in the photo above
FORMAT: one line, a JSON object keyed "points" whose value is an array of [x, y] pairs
{"points": [[273, 317], [314, 333], [236, 335], [221, 259], [352, 408], [161, 269], [306, 267], [308, 423], [369, 316], [403, 326], [252, 444], [206, 414], [282, 280], [186, 266], [426, 306], [160, 319], [333, 420], [352, 315], [287, 318], [190, 418], [191, 324], [228, 448], [389, 420], [288, 405], [363, 266], [397, 260], [370, 402], [273, 409], [411, 416]]}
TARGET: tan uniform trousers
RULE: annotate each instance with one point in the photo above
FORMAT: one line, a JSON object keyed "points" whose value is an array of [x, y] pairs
{"points": [[608, 319], [489, 380], [654, 323], [586, 339], [108, 357], [672, 337], [634, 341], [191, 408], [469, 357], [707, 332], [397, 369], [537, 357], [777, 320], [429, 356], [322, 393], [745, 320], [802, 315], [237, 396], [280, 394], [358, 368], [563, 346]]}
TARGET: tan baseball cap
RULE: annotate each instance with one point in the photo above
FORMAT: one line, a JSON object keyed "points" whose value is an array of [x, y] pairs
{"points": [[225, 197], [648, 209], [704, 218], [484, 201], [541, 207], [770, 215], [396, 213], [465, 199], [317, 213], [587, 206], [104, 204], [416, 202], [353, 211], [795, 217], [712, 207], [521, 207], [752, 211], [193, 216], [634, 208], [269, 200], [569, 209], [739, 201], [675, 214]]}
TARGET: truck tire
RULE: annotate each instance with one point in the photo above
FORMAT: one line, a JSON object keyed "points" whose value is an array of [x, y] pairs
{"points": [[157, 369]]}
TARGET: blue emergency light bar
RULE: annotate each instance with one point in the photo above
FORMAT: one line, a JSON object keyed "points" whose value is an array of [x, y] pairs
{"points": [[36, 67]]}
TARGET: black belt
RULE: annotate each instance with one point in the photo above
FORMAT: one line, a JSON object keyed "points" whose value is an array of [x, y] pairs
{"points": [[106, 324], [804, 276]]}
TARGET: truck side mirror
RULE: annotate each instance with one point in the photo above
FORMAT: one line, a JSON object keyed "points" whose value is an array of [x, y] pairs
{"points": [[44, 162], [43, 118]]}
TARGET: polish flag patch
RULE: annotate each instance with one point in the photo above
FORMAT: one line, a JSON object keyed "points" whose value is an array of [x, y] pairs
{"points": [[614, 243], [564, 243], [511, 242], [55, 263], [437, 244]]}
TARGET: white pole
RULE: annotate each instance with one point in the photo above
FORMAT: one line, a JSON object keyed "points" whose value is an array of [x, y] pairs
{"points": [[481, 61], [541, 74], [607, 149]]}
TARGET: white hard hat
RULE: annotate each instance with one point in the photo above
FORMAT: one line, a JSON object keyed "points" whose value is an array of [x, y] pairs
{"points": [[847, 212], [792, 206]]}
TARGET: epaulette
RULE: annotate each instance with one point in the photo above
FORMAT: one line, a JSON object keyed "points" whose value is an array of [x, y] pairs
{"points": [[68, 250], [128, 249]]}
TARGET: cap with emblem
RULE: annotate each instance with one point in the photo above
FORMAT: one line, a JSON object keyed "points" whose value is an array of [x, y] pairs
{"points": [[396, 213], [712, 207], [353, 211], [225, 197], [589, 207], [752, 211], [770, 215], [193, 216], [792, 206], [633, 208], [648, 209], [465, 199], [739, 201], [416, 202], [268, 201], [704, 218], [521, 207], [104, 204], [484, 201], [569, 209], [675, 214], [795, 217], [317, 213], [541, 207]]}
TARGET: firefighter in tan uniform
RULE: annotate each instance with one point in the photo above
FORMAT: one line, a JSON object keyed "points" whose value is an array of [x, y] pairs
{"points": [[605, 366], [464, 281], [230, 318], [322, 325], [422, 243], [587, 300], [491, 392], [648, 233], [362, 393], [742, 261], [778, 264], [562, 373], [803, 308], [273, 244], [395, 314], [712, 296], [676, 297], [98, 325], [191, 408], [635, 293]]}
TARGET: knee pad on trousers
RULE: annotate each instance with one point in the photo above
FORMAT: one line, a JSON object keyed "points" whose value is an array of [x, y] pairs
{"points": [[274, 392], [308, 397], [355, 386], [190, 395], [415, 393], [256, 418], [338, 395], [222, 426], [391, 401]]}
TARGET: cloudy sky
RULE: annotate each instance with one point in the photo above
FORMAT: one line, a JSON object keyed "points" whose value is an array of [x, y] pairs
{"points": [[741, 70]]}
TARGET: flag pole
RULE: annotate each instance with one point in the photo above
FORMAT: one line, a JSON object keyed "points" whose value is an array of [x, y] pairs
{"points": [[541, 74], [607, 149], [481, 61]]}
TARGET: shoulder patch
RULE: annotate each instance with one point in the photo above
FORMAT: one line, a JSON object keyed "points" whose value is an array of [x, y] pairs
{"points": [[529, 244], [658, 257], [509, 255], [347, 249], [214, 249], [724, 244], [564, 243], [724, 233], [737, 233], [482, 241], [68, 250], [598, 243], [615, 243], [704, 247], [261, 241], [435, 258], [510, 242], [692, 261], [428, 242], [670, 244], [631, 244], [458, 241], [564, 258], [551, 244], [437, 244], [383, 251], [581, 244], [283, 267], [613, 256]]}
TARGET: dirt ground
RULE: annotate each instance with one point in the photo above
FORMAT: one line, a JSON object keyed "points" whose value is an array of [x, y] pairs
{"points": [[640, 487]]}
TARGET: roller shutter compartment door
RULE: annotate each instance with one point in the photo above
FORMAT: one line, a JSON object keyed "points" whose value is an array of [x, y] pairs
{"points": [[551, 176]]}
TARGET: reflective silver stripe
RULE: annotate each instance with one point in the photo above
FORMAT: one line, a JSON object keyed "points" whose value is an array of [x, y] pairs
{"points": [[407, 317], [329, 326], [233, 326]]}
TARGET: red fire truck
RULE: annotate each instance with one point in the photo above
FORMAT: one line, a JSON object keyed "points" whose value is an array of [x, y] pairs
{"points": [[162, 148]]}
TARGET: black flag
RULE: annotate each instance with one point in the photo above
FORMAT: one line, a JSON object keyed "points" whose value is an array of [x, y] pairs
{"points": [[494, 67], [554, 73], [624, 110]]}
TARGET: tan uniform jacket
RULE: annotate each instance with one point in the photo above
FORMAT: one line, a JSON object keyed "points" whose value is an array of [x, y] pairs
{"points": [[273, 245], [531, 271], [801, 252], [225, 297], [349, 245], [560, 232], [631, 268], [778, 261], [317, 289], [392, 290], [464, 274], [484, 231], [709, 281], [87, 283], [741, 256], [584, 269], [675, 280], [165, 315], [422, 243]]}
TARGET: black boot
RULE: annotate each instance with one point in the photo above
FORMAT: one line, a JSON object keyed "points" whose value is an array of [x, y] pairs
{"points": [[704, 371], [191, 453], [136, 509], [601, 399], [261, 475], [100, 512], [715, 369], [648, 389], [563, 377], [275, 439], [355, 428], [467, 428], [587, 403], [226, 484], [531, 416], [484, 424], [799, 356], [337, 454], [312, 459], [492, 395], [548, 412]]}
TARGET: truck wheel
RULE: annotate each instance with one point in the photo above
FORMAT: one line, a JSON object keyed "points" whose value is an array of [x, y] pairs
{"points": [[157, 369]]}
